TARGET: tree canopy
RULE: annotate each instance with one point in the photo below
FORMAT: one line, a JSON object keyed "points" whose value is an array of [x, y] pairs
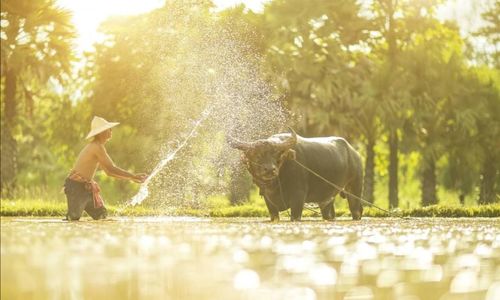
{"points": [[388, 75]]}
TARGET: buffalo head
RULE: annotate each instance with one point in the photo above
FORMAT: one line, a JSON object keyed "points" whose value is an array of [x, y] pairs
{"points": [[265, 157]]}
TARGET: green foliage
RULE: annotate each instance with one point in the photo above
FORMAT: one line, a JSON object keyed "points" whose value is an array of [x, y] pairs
{"points": [[306, 50], [491, 31], [36, 40], [36, 55], [341, 68]]}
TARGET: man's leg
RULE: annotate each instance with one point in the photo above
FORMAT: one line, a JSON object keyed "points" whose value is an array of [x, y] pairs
{"points": [[96, 213], [77, 200]]}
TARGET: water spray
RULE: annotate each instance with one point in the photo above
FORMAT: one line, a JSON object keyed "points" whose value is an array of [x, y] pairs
{"points": [[209, 68], [143, 190]]}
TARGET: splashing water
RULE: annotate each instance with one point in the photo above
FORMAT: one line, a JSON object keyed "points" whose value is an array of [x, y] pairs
{"points": [[203, 63], [143, 190]]}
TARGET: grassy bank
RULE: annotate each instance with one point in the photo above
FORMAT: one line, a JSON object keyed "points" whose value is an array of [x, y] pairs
{"points": [[41, 208]]}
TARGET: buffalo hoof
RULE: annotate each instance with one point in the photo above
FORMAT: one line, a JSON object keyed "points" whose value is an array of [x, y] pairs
{"points": [[329, 217], [356, 216], [275, 219]]}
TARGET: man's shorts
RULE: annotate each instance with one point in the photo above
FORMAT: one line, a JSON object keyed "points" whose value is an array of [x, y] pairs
{"points": [[80, 199]]}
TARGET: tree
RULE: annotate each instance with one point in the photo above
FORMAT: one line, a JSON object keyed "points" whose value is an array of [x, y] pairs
{"points": [[435, 64], [387, 10], [36, 46], [489, 123], [397, 23], [318, 51], [491, 31], [472, 133]]}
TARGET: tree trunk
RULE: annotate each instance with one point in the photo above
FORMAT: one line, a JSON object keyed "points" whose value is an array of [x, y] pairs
{"points": [[429, 195], [391, 32], [393, 168], [369, 181], [393, 135], [488, 179], [8, 143]]}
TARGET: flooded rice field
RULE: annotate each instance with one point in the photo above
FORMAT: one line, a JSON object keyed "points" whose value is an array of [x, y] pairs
{"points": [[200, 258]]}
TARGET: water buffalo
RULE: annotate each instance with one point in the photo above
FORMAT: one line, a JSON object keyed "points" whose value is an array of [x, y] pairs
{"points": [[284, 183]]}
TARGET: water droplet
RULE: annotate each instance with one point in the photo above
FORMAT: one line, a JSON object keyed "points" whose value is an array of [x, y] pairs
{"points": [[246, 279], [322, 274], [465, 282]]}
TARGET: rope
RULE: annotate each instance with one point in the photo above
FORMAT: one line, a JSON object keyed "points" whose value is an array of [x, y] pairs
{"points": [[342, 189], [281, 196], [279, 183]]}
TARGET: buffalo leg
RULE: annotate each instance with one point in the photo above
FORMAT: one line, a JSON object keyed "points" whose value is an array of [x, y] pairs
{"points": [[353, 197], [296, 207], [327, 210], [273, 211], [296, 212]]}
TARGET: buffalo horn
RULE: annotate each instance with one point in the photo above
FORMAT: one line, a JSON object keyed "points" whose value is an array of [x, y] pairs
{"points": [[235, 143], [289, 142]]}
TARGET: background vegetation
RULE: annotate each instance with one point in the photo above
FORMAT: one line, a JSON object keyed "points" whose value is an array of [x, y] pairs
{"points": [[418, 100]]}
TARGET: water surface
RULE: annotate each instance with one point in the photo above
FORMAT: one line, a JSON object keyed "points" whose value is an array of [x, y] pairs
{"points": [[201, 258]]}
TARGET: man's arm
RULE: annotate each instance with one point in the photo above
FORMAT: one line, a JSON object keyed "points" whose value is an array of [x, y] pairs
{"points": [[111, 169]]}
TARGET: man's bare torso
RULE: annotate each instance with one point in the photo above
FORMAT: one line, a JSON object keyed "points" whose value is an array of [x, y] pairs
{"points": [[87, 161]]}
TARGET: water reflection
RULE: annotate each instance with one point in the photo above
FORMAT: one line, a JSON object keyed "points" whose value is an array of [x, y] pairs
{"points": [[193, 258]]}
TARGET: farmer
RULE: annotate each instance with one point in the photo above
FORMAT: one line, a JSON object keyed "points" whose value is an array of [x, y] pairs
{"points": [[82, 192]]}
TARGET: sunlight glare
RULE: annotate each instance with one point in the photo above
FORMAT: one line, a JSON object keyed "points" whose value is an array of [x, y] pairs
{"points": [[87, 15], [246, 279]]}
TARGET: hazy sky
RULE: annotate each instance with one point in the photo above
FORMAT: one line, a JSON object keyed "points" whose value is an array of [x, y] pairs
{"points": [[88, 14]]}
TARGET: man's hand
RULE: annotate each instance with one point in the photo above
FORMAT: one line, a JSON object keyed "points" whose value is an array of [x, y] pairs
{"points": [[140, 178]]}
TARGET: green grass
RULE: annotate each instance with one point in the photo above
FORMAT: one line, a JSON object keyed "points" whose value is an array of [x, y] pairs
{"points": [[41, 208], [492, 210], [220, 208], [32, 208]]}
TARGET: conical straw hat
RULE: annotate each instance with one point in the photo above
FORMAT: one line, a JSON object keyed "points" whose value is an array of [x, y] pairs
{"points": [[99, 125]]}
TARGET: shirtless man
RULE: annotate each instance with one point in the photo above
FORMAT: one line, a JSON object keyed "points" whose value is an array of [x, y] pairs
{"points": [[82, 192]]}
